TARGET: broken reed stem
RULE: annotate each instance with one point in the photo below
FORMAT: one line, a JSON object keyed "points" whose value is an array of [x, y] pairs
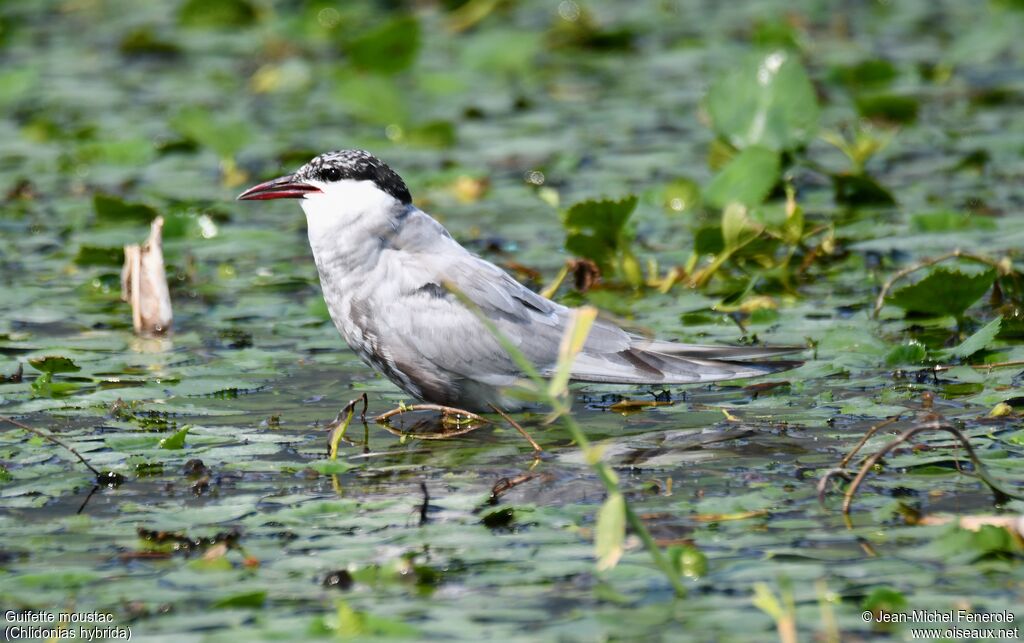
{"points": [[339, 426], [144, 283], [50, 437], [536, 447], [871, 461], [925, 263]]}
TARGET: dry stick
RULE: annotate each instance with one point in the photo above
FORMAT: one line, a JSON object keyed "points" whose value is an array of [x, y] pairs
{"points": [[48, 436], [980, 469], [515, 425], [956, 254], [984, 367]]}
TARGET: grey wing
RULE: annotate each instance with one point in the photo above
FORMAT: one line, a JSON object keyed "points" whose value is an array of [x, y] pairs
{"points": [[610, 354], [451, 337]]}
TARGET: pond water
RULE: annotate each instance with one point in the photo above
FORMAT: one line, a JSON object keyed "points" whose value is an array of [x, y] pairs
{"points": [[497, 126]]}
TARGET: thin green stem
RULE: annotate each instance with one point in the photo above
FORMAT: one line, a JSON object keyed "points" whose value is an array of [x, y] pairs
{"points": [[559, 401], [611, 486]]}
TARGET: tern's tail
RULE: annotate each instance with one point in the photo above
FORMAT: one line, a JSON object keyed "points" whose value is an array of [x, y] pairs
{"points": [[659, 362]]}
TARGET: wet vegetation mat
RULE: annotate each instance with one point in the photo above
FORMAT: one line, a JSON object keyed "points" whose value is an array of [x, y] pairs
{"points": [[839, 176]]}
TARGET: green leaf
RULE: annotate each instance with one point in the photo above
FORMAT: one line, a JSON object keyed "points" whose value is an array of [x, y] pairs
{"points": [[737, 228], [372, 98], [222, 135], [16, 83], [948, 221], [860, 189], [681, 195], [976, 342], [222, 13], [865, 74], [944, 291], [111, 210], [748, 178], [901, 110], [44, 386], [387, 49], [439, 134], [912, 352], [245, 599], [175, 441], [765, 100], [53, 364], [885, 599], [597, 228], [688, 560], [349, 623], [218, 564], [610, 532], [329, 467], [502, 51]]}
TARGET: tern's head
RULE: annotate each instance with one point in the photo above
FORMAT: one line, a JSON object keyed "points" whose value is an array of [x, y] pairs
{"points": [[349, 178]]}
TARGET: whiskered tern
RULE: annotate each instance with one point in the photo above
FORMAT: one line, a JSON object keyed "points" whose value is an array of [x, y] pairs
{"points": [[388, 271]]}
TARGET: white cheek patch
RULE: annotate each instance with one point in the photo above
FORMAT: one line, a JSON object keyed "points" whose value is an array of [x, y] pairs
{"points": [[342, 206]]}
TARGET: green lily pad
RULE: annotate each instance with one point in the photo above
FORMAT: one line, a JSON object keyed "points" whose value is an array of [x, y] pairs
{"points": [[945, 291], [175, 441], [889, 107], [387, 49], [867, 74], [911, 352], [53, 364], [224, 135], [765, 100], [111, 210], [596, 229], [223, 13], [253, 600], [977, 342]]}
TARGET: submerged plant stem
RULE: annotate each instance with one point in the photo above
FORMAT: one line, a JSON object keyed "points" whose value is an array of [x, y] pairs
{"points": [[979, 467], [515, 425], [46, 435]]}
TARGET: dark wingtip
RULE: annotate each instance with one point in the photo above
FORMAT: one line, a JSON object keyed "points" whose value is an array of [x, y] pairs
{"points": [[777, 366]]}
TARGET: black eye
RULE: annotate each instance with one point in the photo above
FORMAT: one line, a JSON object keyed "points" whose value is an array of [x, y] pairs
{"points": [[332, 174]]}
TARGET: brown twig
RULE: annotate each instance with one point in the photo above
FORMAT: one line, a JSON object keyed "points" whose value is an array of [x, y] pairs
{"points": [[444, 410], [925, 263], [50, 437], [871, 461], [867, 436], [507, 484], [837, 472], [515, 425], [474, 421]]}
